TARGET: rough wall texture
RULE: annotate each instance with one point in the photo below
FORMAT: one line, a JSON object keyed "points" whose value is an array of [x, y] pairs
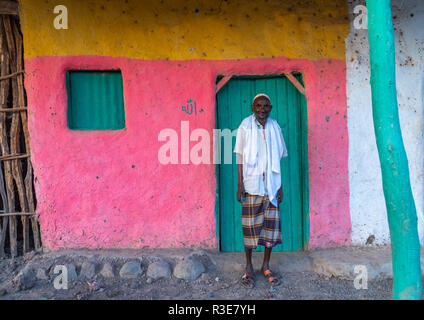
{"points": [[367, 206], [181, 30], [107, 189]]}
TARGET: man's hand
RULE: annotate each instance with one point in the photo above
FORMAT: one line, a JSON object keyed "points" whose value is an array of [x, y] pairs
{"points": [[280, 195], [240, 192]]}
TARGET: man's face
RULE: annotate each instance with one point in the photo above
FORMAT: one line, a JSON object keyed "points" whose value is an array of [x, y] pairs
{"points": [[261, 108]]}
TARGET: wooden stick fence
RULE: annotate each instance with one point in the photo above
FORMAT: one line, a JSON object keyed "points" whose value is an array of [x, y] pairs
{"points": [[13, 122]]}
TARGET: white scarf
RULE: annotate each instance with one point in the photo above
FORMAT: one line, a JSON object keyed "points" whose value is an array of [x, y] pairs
{"points": [[276, 149]]}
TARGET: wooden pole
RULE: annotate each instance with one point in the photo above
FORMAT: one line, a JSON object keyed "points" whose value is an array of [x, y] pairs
{"points": [[401, 211], [14, 107], [14, 133], [4, 63], [29, 194], [8, 222]]}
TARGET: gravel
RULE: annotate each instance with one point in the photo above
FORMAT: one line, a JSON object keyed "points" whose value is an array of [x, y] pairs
{"points": [[215, 284]]}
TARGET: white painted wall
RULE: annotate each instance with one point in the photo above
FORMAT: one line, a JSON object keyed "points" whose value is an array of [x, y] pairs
{"points": [[367, 206]]}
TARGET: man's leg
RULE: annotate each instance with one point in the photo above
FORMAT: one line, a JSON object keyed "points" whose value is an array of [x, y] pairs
{"points": [[247, 279], [266, 270], [267, 257], [249, 266], [270, 235], [251, 207]]}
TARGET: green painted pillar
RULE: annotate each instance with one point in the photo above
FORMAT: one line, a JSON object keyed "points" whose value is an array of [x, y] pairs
{"points": [[400, 204]]}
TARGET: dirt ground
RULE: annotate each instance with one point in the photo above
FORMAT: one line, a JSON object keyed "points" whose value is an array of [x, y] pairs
{"points": [[217, 284]]}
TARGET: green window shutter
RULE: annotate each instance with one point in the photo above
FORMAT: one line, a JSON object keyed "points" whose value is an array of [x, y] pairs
{"points": [[95, 100]]}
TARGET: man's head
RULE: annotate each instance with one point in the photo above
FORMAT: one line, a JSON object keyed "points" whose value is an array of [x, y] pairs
{"points": [[261, 107]]}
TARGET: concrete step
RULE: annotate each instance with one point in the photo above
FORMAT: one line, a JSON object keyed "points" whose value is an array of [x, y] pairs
{"points": [[333, 262], [341, 262]]}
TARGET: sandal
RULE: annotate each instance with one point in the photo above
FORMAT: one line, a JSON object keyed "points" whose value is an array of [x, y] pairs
{"points": [[271, 279], [247, 281]]}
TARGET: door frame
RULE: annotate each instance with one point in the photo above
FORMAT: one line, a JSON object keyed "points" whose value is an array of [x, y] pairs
{"points": [[304, 159]]}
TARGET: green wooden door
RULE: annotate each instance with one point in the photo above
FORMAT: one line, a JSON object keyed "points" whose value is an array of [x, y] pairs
{"points": [[289, 109]]}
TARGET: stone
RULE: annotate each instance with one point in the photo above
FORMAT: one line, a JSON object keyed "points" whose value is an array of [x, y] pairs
{"points": [[72, 273], [3, 292], [25, 279], [41, 274], [88, 270], [131, 269], [158, 270], [206, 259], [107, 270], [189, 268]]}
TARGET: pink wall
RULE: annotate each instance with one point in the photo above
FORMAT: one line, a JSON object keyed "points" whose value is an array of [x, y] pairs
{"points": [[90, 196]]}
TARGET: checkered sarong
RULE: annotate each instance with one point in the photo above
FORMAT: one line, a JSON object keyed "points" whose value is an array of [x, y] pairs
{"points": [[261, 222]]}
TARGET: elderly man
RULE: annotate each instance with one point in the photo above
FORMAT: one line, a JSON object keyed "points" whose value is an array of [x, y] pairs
{"points": [[260, 147]]}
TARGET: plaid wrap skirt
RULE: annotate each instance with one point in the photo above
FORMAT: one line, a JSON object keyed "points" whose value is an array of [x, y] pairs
{"points": [[261, 222]]}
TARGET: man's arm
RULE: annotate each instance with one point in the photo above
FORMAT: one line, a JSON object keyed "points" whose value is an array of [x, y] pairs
{"points": [[239, 151], [240, 188], [280, 195]]}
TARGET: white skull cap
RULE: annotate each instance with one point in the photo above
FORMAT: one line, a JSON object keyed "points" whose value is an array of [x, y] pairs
{"points": [[261, 95]]}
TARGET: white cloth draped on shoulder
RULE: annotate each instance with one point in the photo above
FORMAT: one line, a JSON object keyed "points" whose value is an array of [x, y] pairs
{"points": [[276, 149]]}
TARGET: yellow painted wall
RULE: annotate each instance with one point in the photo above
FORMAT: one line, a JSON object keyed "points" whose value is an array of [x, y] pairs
{"points": [[165, 29]]}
